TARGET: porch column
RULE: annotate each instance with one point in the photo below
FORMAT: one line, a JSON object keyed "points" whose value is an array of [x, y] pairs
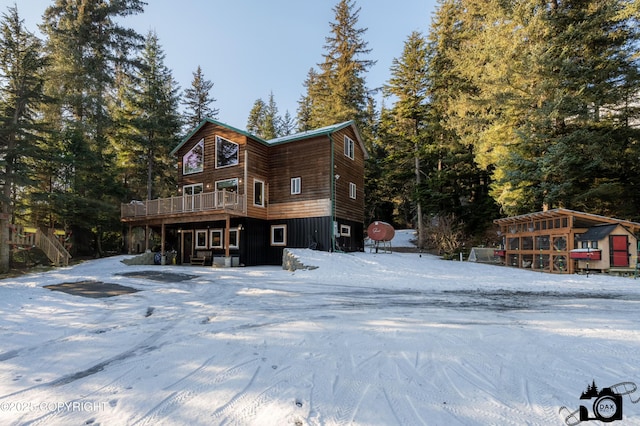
{"points": [[162, 234], [146, 238], [130, 239], [227, 252]]}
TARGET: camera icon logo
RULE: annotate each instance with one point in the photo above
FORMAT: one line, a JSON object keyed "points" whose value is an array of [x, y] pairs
{"points": [[607, 405]]}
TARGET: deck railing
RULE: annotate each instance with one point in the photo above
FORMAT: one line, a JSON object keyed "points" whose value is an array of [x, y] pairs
{"points": [[204, 202]]}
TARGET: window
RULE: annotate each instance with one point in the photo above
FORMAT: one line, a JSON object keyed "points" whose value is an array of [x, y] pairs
{"points": [[215, 240], [193, 161], [296, 185], [201, 239], [349, 147], [258, 193], [192, 189], [279, 235], [227, 153], [233, 238], [352, 190], [228, 197], [230, 185], [345, 230], [189, 202]]}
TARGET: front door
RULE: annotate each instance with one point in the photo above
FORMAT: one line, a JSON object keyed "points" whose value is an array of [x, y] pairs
{"points": [[619, 246], [187, 247]]}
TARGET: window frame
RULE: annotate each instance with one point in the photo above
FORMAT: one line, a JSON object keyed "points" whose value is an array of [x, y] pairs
{"points": [[349, 147], [345, 230], [296, 185], [353, 191], [236, 232], [284, 235], [220, 140], [199, 162], [219, 231], [261, 201], [196, 239]]}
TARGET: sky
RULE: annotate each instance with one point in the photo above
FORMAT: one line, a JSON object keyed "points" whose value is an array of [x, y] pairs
{"points": [[249, 48]]}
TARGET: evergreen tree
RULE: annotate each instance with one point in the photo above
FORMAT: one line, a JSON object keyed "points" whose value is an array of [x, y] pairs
{"points": [[21, 91], [85, 43], [287, 125], [198, 100], [528, 89], [157, 121], [408, 83], [305, 103], [455, 184], [339, 93], [264, 120]]}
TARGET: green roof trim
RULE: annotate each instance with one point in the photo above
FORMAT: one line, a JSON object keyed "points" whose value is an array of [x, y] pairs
{"points": [[328, 130]]}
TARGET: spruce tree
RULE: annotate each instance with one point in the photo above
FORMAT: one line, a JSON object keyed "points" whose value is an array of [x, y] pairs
{"points": [[157, 122], [264, 120], [22, 69], [197, 99], [542, 94], [339, 93], [408, 84], [85, 42]]}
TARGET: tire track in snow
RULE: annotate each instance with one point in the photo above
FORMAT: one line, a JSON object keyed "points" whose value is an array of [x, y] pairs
{"points": [[190, 387], [244, 407], [31, 393]]}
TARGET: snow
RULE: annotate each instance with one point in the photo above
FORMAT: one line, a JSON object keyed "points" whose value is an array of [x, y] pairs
{"points": [[364, 339]]}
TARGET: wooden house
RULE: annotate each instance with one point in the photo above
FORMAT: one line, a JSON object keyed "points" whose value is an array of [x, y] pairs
{"points": [[242, 199], [568, 241]]}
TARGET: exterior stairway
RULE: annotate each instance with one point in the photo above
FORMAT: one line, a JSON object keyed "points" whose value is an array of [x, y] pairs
{"points": [[30, 236]]}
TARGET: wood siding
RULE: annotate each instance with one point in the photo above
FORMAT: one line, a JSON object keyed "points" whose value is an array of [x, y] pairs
{"points": [[211, 174], [307, 159], [350, 171]]}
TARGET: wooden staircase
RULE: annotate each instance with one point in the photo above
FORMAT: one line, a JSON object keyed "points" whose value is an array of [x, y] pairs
{"points": [[30, 236]]}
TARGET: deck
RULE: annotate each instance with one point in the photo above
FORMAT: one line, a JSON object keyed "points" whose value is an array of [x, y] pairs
{"points": [[217, 202]]}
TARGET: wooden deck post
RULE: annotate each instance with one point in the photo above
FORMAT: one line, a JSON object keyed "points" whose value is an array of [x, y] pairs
{"points": [[162, 235], [227, 251]]}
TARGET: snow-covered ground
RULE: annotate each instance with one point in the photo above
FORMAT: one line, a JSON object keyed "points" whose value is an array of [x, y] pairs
{"points": [[364, 339]]}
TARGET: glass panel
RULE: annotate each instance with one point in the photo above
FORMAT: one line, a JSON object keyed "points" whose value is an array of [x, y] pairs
{"points": [[193, 161], [227, 152]]}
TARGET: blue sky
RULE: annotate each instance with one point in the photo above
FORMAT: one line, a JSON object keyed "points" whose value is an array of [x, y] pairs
{"points": [[250, 48]]}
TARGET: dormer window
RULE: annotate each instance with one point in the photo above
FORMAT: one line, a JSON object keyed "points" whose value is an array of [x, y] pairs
{"points": [[193, 161], [227, 153]]}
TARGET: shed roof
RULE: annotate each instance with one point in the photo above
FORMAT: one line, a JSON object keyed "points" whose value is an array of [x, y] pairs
{"points": [[327, 130], [580, 219], [597, 233]]}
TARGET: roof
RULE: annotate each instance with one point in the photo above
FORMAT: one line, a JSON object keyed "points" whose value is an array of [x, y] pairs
{"points": [[597, 233], [324, 131], [581, 219]]}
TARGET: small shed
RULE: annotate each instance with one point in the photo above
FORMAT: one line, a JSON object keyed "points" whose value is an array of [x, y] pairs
{"points": [[605, 248]]}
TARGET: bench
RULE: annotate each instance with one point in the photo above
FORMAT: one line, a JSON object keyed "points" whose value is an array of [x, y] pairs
{"points": [[200, 258]]}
